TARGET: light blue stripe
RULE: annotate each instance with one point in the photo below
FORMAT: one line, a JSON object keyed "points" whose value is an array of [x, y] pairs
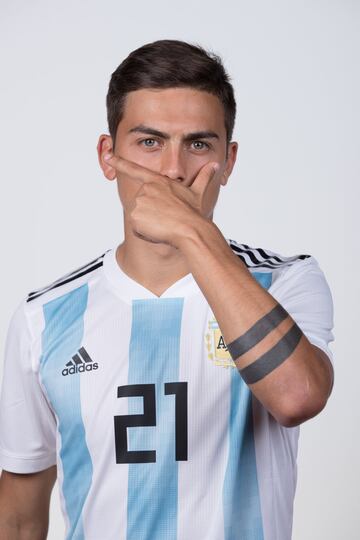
{"points": [[264, 278], [154, 359], [241, 500], [61, 338]]}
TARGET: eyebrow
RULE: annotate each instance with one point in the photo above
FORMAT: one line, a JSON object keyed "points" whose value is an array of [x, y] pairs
{"points": [[141, 128]]}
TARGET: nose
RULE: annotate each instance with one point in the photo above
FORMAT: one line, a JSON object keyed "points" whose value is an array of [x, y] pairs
{"points": [[172, 163]]}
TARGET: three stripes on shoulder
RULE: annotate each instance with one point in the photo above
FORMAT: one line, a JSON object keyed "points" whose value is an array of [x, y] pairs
{"points": [[71, 276], [262, 258]]}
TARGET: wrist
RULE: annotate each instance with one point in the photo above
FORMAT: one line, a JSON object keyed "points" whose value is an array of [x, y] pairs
{"points": [[194, 232]]}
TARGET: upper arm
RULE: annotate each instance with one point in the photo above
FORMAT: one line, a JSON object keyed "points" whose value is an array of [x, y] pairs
{"points": [[25, 498], [27, 439], [27, 422], [306, 295]]}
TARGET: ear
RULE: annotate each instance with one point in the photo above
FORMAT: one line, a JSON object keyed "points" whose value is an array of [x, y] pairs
{"points": [[230, 162], [104, 146]]}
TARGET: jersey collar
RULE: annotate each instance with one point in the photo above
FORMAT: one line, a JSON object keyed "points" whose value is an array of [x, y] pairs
{"points": [[129, 289]]}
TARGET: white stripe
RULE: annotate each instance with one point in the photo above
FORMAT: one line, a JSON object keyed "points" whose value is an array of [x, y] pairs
{"points": [[200, 481], [276, 450], [105, 510]]}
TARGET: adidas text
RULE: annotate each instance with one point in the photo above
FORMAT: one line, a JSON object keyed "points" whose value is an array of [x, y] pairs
{"points": [[79, 369]]}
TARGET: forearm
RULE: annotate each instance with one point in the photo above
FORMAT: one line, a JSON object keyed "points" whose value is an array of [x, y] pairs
{"points": [[16, 524], [298, 388], [12, 528], [24, 504]]}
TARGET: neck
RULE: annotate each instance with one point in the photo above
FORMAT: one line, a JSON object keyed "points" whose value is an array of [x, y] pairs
{"points": [[155, 266]]}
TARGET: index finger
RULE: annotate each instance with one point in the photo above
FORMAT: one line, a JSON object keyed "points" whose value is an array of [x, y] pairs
{"points": [[133, 170]]}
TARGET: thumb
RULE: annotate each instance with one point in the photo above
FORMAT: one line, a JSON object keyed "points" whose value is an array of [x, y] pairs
{"points": [[203, 178]]}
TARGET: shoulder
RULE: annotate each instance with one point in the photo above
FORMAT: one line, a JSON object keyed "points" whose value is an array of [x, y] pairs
{"points": [[65, 284], [297, 282], [283, 275], [264, 260]]}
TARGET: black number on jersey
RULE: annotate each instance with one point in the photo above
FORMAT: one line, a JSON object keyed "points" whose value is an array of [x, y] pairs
{"points": [[148, 418]]}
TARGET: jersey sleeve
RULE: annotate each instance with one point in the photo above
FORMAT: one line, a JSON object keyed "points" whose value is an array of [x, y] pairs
{"points": [[305, 294], [27, 423]]}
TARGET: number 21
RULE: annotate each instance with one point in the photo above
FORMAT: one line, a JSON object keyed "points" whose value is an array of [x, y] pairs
{"points": [[148, 418]]}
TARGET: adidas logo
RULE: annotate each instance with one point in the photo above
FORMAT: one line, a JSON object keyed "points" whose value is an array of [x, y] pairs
{"points": [[80, 362]]}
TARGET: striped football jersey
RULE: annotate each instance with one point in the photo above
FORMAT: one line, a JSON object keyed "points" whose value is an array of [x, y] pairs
{"points": [[138, 402]]}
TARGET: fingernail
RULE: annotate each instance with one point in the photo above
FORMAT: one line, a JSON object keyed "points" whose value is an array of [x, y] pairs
{"points": [[216, 166]]}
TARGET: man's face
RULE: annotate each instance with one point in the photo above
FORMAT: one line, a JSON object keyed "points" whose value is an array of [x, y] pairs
{"points": [[173, 132]]}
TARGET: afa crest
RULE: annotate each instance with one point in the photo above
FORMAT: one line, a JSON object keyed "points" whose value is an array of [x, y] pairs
{"points": [[217, 350]]}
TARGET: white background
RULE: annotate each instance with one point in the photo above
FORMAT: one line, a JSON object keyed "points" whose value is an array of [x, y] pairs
{"points": [[294, 189]]}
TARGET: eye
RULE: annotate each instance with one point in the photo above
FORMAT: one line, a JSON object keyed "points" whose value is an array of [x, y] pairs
{"points": [[200, 145], [148, 143]]}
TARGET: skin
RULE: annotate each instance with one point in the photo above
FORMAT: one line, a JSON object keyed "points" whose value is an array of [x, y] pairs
{"points": [[168, 189], [24, 504], [175, 112], [25, 498], [168, 194]]}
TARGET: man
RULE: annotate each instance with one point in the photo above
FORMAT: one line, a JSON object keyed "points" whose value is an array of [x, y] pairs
{"points": [[164, 382]]}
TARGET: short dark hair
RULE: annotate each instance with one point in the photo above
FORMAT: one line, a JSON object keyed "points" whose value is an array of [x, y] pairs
{"points": [[169, 63]]}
